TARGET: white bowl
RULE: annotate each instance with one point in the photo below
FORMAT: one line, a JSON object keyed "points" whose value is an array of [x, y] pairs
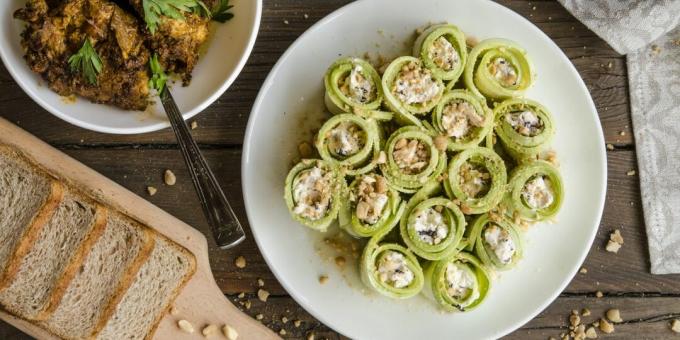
{"points": [[289, 106], [229, 48]]}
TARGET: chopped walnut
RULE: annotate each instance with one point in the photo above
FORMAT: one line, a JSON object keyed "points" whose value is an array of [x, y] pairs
{"points": [[474, 180], [323, 279], [675, 325], [612, 246], [240, 262], [591, 333], [615, 242], [614, 315], [370, 198], [305, 150], [441, 143], [605, 326], [263, 295], [411, 155]]}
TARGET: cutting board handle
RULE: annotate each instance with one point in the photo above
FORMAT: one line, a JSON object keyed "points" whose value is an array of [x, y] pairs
{"points": [[202, 303]]}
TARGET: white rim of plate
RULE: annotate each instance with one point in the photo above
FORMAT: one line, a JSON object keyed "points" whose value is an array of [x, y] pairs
{"points": [[269, 82]]}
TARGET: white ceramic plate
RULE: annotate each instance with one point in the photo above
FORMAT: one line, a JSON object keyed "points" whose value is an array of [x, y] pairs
{"points": [[229, 48], [288, 108]]}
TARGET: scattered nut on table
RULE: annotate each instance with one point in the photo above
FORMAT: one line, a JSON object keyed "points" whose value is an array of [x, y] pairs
{"points": [[169, 177], [263, 295], [574, 320], [675, 325], [174, 311], [612, 246], [185, 326], [614, 315], [616, 236], [591, 333], [605, 326], [240, 262], [151, 190]]}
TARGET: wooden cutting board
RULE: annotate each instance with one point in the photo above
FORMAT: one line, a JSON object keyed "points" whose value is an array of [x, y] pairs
{"points": [[201, 301]]}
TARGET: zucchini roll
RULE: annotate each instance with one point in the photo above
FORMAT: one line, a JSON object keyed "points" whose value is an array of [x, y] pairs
{"points": [[463, 118], [410, 89], [524, 126], [352, 86], [536, 191], [432, 227], [390, 269], [497, 242], [411, 159], [349, 142], [498, 69], [477, 177], [457, 283], [443, 50], [314, 191], [372, 206]]}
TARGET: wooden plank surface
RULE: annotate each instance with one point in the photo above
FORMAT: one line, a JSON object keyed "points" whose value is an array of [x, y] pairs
{"points": [[647, 302]]}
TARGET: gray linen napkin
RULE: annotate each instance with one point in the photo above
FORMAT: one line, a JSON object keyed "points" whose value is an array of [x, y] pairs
{"points": [[648, 31]]}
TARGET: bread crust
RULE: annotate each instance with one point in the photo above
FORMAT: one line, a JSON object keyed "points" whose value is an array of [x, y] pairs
{"points": [[32, 232], [126, 281]]}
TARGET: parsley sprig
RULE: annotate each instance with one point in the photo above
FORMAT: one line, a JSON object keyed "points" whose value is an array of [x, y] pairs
{"points": [[86, 61], [221, 12], [158, 76], [155, 9]]}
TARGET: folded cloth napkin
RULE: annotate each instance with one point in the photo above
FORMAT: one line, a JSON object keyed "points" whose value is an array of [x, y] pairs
{"points": [[648, 32]]}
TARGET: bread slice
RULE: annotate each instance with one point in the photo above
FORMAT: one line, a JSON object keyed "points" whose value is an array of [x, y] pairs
{"points": [[39, 279], [27, 200], [101, 281], [154, 288]]}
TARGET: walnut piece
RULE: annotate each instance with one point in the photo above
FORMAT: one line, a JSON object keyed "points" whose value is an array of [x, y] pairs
{"points": [[614, 315], [185, 326]]}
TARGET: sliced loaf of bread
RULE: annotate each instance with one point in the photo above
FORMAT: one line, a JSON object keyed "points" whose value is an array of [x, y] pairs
{"points": [[36, 282], [155, 286], [27, 200], [105, 275]]}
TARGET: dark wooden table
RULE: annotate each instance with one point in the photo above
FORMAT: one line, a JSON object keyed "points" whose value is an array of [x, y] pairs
{"points": [[647, 302]]}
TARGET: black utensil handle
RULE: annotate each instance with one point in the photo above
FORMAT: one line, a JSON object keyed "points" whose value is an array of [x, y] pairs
{"points": [[223, 222]]}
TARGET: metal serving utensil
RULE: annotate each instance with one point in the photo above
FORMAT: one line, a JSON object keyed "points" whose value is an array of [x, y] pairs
{"points": [[224, 224]]}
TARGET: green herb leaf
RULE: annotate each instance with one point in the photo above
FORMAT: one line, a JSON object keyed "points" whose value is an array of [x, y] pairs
{"points": [[86, 61], [158, 76], [221, 12], [155, 9]]}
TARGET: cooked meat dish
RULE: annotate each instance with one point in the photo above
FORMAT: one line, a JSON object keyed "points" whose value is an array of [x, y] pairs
{"points": [[177, 41], [101, 49]]}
